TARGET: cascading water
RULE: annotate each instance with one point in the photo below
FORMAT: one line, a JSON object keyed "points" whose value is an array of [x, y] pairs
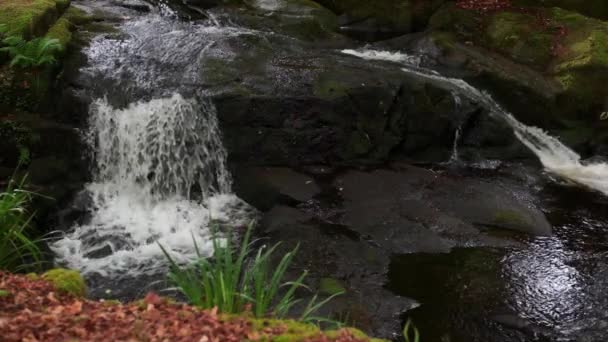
{"points": [[160, 173], [556, 157], [153, 159]]}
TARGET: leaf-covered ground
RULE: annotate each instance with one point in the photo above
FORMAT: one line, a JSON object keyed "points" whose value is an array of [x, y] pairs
{"points": [[32, 310], [484, 5]]}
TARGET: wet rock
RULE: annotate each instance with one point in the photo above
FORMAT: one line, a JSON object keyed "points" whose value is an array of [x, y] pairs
{"points": [[554, 70], [454, 289], [381, 20], [427, 212], [315, 107], [358, 265]]}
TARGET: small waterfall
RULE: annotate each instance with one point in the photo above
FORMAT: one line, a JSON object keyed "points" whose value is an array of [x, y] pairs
{"points": [[556, 157], [454, 157], [160, 177], [159, 173]]}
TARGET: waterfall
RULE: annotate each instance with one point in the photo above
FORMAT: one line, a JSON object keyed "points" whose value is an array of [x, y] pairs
{"points": [[556, 157], [159, 173], [160, 177]]}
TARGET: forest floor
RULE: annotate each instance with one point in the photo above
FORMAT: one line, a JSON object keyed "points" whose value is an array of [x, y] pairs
{"points": [[31, 309]]}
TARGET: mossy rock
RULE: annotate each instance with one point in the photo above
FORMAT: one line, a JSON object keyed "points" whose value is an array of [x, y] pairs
{"points": [[297, 331], [67, 281], [30, 18], [519, 36], [566, 51], [62, 31]]}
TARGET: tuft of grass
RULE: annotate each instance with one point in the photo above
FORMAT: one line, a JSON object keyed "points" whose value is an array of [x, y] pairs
{"points": [[410, 332], [18, 252], [233, 284]]}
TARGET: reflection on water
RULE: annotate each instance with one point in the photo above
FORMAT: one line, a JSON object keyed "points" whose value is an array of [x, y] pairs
{"points": [[542, 285], [552, 289]]}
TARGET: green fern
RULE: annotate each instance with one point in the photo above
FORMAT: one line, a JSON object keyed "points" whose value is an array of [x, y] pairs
{"points": [[32, 54]]}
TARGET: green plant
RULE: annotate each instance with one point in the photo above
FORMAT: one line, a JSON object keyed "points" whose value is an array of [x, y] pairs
{"points": [[17, 251], [410, 332], [33, 54], [13, 133], [233, 285]]}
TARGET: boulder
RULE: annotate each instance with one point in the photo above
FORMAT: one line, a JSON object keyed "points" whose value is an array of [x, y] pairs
{"points": [[546, 65]]}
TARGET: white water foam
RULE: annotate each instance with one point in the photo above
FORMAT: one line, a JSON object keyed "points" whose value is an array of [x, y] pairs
{"points": [[556, 157], [377, 55], [160, 178]]}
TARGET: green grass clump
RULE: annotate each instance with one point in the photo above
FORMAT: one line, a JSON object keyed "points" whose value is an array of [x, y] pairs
{"points": [[67, 281], [18, 252], [234, 285]]}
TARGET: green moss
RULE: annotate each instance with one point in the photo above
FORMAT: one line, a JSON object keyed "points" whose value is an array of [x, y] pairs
{"points": [[508, 218], [29, 18], [67, 281], [77, 16], [295, 331], [4, 293], [327, 87], [62, 31], [519, 37], [330, 286]]}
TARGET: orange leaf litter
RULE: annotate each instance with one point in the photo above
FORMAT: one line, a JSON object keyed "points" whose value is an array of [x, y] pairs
{"points": [[32, 310]]}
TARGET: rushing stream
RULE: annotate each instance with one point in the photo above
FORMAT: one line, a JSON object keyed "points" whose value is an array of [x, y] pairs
{"points": [[160, 175]]}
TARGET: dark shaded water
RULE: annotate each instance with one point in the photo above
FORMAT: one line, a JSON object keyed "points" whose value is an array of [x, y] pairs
{"points": [[550, 289]]}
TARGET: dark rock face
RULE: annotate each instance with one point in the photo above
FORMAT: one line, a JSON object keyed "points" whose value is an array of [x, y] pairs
{"points": [[335, 113], [351, 224], [373, 21]]}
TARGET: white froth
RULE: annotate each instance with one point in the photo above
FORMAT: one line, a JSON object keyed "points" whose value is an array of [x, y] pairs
{"points": [[160, 178]]}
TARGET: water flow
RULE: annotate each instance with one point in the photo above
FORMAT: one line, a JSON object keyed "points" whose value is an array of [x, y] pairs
{"points": [[160, 178], [556, 157], [160, 171]]}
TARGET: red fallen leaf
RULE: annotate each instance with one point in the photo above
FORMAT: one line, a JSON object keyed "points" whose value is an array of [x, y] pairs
{"points": [[51, 297], [87, 320], [75, 308], [153, 298]]}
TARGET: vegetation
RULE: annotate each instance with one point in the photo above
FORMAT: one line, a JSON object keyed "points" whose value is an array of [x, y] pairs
{"points": [[66, 281], [32, 54], [29, 18], [410, 332], [18, 252], [233, 285]]}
